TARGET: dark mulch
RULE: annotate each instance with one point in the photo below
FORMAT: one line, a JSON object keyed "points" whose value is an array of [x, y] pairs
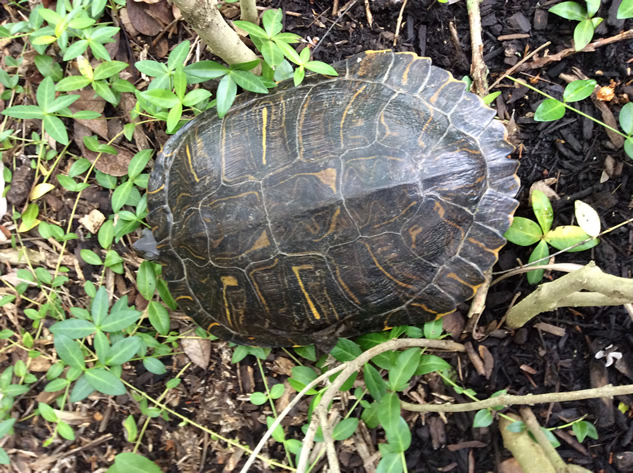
{"points": [[531, 360]]}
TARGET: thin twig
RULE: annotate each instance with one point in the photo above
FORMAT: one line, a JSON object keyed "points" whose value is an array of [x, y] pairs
{"points": [[518, 64], [478, 68]]}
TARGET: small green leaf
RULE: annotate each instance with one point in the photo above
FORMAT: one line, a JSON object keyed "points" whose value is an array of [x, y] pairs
{"points": [[161, 98], [277, 391], [389, 411], [399, 437], [540, 251], [565, 236], [345, 429], [131, 431], [146, 280], [543, 211], [483, 418], [584, 429], [271, 20], [321, 68], [122, 351], [592, 7], [65, 430], [151, 68], [579, 90], [345, 350], [370, 415], [104, 382], [430, 363], [301, 377], [625, 10], [251, 29], [249, 81], [69, 351], [105, 70], [129, 462], [72, 83], [549, 110], [154, 365], [158, 317], [206, 70], [517, 426], [119, 320], [433, 330], [523, 232], [626, 117], [178, 56], [258, 398], [570, 11], [90, 256], [195, 96], [49, 414], [73, 328], [390, 463], [374, 382], [46, 93], [628, 147], [225, 95], [404, 369], [25, 112], [583, 34]]}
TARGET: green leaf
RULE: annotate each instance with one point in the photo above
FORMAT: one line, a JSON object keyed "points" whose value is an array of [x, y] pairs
{"points": [[516, 427], [299, 75], [549, 110], [75, 49], [161, 98], [565, 236], [584, 429], [430, 363], [73, 328], [433, 330], [543, 211], [570, 11], [249, 81], [151, 68], [370, 415], [106, 234], [50, 16], [90, 256], [86, 115], [72, 83], [121, 195], [154, 365], [277, 391], [65, 430], [389, 411], [399, 436], [390, 463], [483, 418], [69, 351], [99, 306], [626, 116], [138, 163], [540, 251], [105, 70], [227, 90], [271, 20], [103, 90], [178, 56], [62, 102], [195, 96], [523, 232], [46, 94], [374, 382], [551, 437], [345, 350], [133, 463], [48, 413], [345, 429], [301, 377], [321, 68], [158, 317], [56, 129], [289, 52], [6, 426], [251, 29], [404, 369], [579, 90], [625, 10], [258, 398], [583, 34], [592, 7], [146, 280], [25, 112], [123, 351], [308, 352], [119, 320], [206, 70], [272, 54], [104, 382], [180, 82], [628, 147], [174, 117]]}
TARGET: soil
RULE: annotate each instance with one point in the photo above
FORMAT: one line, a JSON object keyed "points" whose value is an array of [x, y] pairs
{"points": [[554, 353]]}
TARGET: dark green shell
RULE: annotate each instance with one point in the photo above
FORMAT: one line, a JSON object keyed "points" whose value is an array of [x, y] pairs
{"points": [[343, 206]]}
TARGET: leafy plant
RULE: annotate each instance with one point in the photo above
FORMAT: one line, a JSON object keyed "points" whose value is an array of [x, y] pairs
{"points": [[526, 232]]}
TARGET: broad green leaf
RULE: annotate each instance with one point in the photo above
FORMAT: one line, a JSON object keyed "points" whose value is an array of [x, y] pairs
{"points": [[225, 95], [158, 317], [151, 68], [62, 102], [129, 462], [50, 16], [180, 82], [119, 320], [72, 83], [565, 236], [86, 115], [123, 351], [75, 50], [277, 391], [178, 55], [48, 413], [65, 431], [154, 365], [55, 128], [551, 437], [523, 232], [301, 377], [592, 7], [404, 369], [579, 90], [584, 429], [625, 10], [104, 382], [583, 34], [173, 117], [46, 93], [390, 463], [258, 398], [308, 352], [121, 195], [517, 426], [370, 415], [321, 68], [278, 433], [483, 418], [69, 351], [103, 90], [433, 330], [249, 81], [161, 98], [543, 211], [195, 96], [389, 411], [106, 234], [626, 116], [146, 280], [6, 426], [73, 328], [79, 167], [570, 11], [345, 429], [251, 29], [271, 52], [25, 112], [271, 20], [399, 436], [549, 110], [206, 70], [374, 382], [90, 256], [289, 52], [345, 350], [540, 251], [430, 363], [298, 75], [105, 70], [99, 306], [101, 345]]}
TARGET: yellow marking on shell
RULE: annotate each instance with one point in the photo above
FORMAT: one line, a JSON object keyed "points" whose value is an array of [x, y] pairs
{"points": [[227, 281], [157, 190], [481, 245], [437, 207], [388, 132], [326, 176], [213, 202], [461, 281], [345, 287], [264, 124], [212, 324], [313, 309], [347, 110], [332, 224], [183, 297], [405, 74], [302, 118], [384, 271], [414, 231], [193, 171], [397, 216], [254, 282], [262, 242], [424, 307]]}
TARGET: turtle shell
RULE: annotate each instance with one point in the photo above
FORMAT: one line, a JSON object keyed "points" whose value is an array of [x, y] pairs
{"points": [[346, 205]]}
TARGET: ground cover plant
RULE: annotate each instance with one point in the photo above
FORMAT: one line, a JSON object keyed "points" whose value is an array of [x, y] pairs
{"points": [[88, 349]]}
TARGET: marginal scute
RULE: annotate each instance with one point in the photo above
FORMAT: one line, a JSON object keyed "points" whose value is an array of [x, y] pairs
{"points": [[346, 205]]}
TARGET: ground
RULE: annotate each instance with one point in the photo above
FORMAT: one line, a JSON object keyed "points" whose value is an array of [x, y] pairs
{"points": [[553, 353]]}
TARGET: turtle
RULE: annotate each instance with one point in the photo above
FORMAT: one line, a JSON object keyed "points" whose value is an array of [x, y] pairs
{"points": [[346, 205]]}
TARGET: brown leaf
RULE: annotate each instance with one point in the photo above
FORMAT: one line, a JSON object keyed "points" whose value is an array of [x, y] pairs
{"points": [[142, 21], [198, 350], [88, 100], [107, 163]]}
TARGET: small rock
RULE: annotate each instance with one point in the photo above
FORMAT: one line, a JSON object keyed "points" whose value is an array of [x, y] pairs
{"points": [[519, 22], [540, 19]]}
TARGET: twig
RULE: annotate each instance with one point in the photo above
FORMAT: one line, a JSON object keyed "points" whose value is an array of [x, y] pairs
{"points": [[329, 441], [591, 47], [478, 68], [529, 399], [518, 64], [399, 23]]}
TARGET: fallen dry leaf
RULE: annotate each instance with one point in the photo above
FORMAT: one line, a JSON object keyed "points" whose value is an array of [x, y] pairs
{"points": [[198, 350]]}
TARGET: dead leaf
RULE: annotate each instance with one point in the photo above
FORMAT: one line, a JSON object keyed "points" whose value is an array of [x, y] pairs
{"points": [[93, 221], [88, 100], [110, 164], [142, 21], [544, 187], [198, 350]]}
